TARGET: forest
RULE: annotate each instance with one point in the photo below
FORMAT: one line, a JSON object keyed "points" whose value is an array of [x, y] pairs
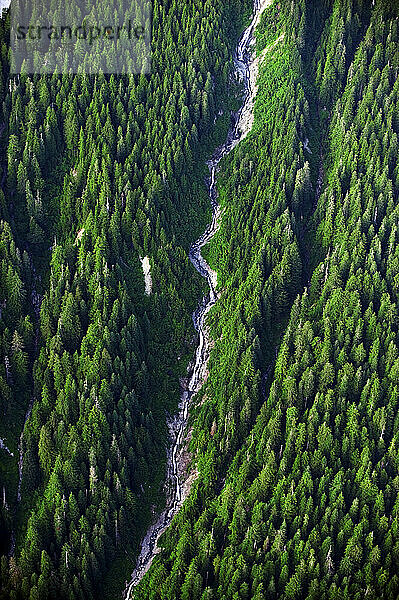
{"points": [[294, 436]]}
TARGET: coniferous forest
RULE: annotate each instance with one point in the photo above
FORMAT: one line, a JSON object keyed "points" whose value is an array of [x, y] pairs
{"points": [[292, 442]]}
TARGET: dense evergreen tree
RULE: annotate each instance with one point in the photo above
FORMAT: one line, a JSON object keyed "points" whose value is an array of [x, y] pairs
{"points": [[100, 173], [295, 433]]}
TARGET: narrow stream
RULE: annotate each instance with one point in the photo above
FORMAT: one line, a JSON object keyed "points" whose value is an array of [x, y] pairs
{"points": [[36, 301], [3, 446], [245, 66]]}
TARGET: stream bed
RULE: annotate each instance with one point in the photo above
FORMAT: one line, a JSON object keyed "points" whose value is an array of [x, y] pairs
{"points": [[246, 66]]}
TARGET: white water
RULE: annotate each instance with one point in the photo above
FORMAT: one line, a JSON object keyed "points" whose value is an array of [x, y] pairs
{"points": [[145, 265], [246, 69], [3, 446]]}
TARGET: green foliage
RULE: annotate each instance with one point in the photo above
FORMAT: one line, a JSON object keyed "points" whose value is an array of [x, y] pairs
{"points": [[297, 488], [101, 171], [295, 433]]}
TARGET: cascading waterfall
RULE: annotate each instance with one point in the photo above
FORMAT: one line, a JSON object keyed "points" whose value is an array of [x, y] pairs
{"points": [[245, 67], [3, 446]]}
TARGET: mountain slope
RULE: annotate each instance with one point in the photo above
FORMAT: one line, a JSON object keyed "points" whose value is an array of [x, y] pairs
{"points": [[297, 457], [101, 172]]}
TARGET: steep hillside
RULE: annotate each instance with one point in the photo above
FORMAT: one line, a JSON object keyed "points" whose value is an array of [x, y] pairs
{"points": [[103, 171], [295, 434]]}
